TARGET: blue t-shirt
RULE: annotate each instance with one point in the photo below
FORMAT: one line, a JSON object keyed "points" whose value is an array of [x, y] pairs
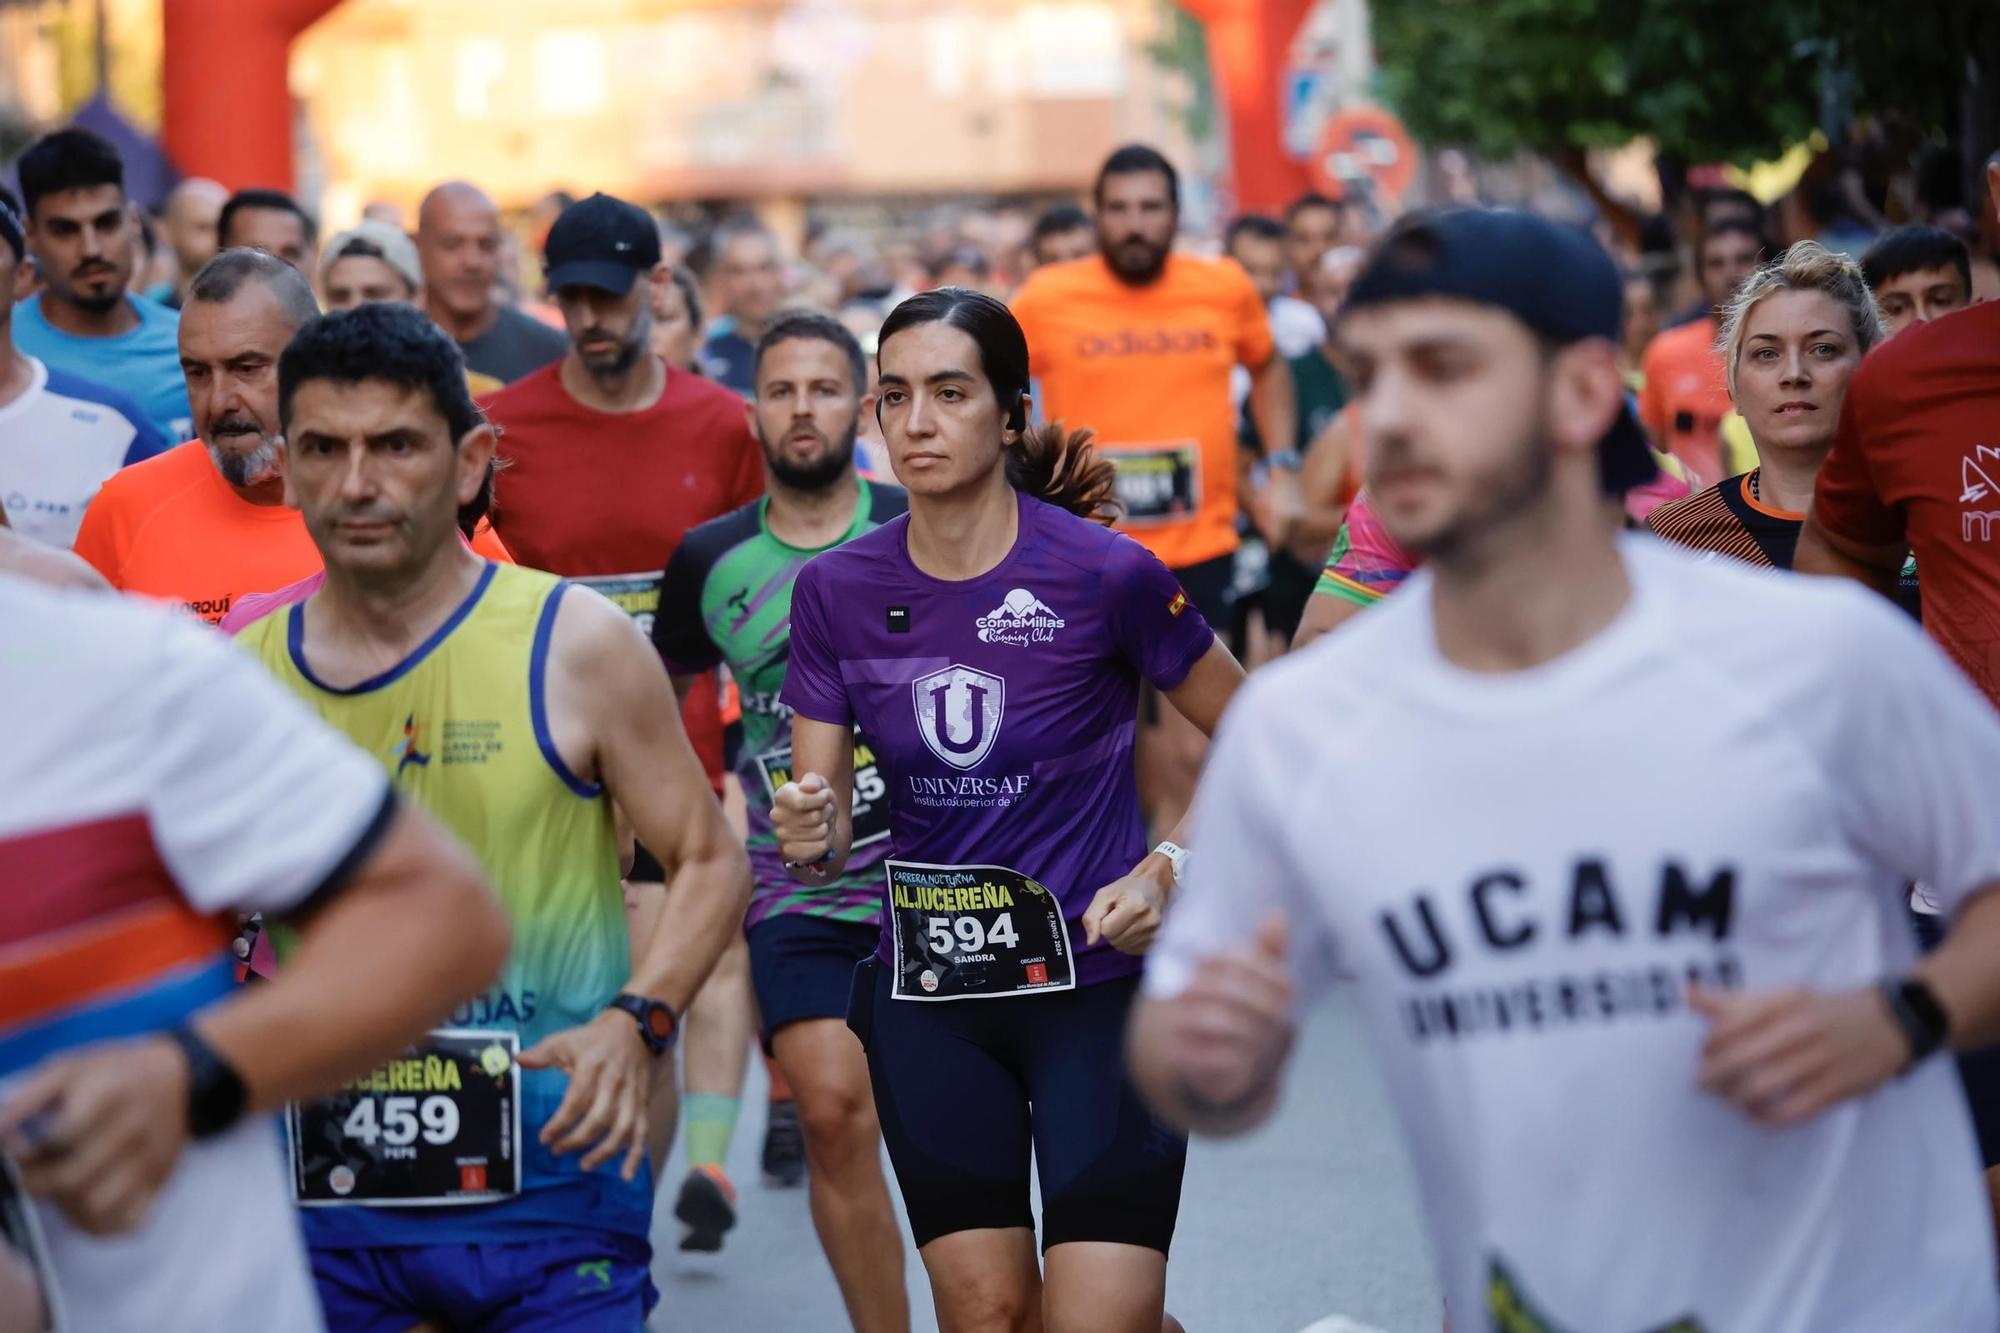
{"points": [[143, 363], [727, 358], [1001, 709], [58, 443]]}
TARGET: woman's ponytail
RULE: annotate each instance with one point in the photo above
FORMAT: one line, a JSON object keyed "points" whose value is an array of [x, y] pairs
{"points": [[1059, 466]]}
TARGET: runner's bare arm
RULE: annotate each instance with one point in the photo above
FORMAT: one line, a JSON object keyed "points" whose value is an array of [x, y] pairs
{"points": [[610, 697], [1821, 552], [814, 815], [1324, 614], [30, 559], [1128, 911], [1274, 405], [415, 932], [1210, 1058], [412, 932], [1321, 477], [1783, 1057], [1961, 973], [612, 715]]}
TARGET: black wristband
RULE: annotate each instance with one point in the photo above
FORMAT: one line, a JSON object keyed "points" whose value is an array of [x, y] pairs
{"points": [[1923, 1020], [216, 1096]]}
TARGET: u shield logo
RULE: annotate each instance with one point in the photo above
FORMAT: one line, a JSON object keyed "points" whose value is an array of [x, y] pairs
{"points": [[958, 713]]}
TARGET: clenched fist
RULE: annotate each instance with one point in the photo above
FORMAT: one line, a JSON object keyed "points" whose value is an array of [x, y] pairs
{"points": [[802, 817]]}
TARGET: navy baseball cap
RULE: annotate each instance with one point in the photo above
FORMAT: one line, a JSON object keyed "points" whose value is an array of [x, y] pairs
{"points": [[601, 242], [1555, 279]]}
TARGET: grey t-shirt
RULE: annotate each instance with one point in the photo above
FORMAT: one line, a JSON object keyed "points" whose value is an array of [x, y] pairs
{"points": [[514, 345]]}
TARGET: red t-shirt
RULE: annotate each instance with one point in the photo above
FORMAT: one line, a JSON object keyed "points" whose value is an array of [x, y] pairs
{"points": [[1917, 460], [604, 498]]}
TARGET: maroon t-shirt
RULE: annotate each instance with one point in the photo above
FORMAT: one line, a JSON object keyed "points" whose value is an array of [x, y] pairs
{"points": [[604, 498], [1917, 459]]}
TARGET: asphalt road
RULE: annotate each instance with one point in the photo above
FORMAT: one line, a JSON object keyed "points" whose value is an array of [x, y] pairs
{"points": [[1313, 1216]]}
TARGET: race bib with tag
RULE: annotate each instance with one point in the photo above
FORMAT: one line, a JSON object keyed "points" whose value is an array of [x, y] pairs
{"points": [[438, 1127], [975, 933], [1158, 483], [871, 794], [637, 595]]}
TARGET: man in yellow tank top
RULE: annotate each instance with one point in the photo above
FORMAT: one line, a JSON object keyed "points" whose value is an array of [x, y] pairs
{"points": [[502, 1163]]}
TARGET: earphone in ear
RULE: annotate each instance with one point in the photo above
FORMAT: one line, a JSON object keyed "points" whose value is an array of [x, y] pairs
{"points": [[1017, 419]]}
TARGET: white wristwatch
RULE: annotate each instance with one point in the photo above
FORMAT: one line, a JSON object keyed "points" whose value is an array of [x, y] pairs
{"points": [[1177, 857]]}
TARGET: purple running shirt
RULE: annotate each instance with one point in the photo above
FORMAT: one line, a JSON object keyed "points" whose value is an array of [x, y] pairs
{"points": [[1001, 709]]}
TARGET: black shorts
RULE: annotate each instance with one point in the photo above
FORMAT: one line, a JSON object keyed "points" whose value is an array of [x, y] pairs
{"points": [[803, 967], [1211, 586], [965, 1089]]}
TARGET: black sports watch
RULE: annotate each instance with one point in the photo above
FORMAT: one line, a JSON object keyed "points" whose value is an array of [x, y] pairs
{"points": [[659, 1025], [1917, 1012], [216, 1096]]}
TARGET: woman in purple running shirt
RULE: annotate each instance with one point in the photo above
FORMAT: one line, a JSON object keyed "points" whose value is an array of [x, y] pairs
{"points": [[991, 644]]}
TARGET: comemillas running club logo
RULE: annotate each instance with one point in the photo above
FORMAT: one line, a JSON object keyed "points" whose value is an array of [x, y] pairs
{"points": [[1021, 619], [958, 713], [411, 754]]}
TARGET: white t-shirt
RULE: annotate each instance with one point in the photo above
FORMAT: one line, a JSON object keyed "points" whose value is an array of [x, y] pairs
{"points": [[1296, 326], [1732, 781], [153, 776], [59, 440]]}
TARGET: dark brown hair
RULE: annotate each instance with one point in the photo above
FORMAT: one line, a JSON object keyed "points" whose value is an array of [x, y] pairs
{"points": [[1059, 466], [1047, 461]]}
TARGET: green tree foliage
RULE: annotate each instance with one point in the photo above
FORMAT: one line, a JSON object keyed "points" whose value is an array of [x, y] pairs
{"points": [[1707, 80]]}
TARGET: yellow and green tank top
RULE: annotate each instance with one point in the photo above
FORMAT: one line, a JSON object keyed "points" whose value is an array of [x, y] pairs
{"points": [[462, 727]]}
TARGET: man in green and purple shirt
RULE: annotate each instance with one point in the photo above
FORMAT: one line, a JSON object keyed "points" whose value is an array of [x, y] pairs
{"points": [[726, 598]]}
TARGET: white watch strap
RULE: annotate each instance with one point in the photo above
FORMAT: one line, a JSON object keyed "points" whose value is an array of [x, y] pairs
{"points": [[1177, 857]]}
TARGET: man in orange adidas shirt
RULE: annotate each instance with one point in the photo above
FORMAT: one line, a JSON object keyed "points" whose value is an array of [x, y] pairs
{"points": [[1137, 343], [205, 523]]}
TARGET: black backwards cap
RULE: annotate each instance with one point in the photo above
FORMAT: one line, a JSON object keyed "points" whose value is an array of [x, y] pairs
{"points": [[1555, 279]]}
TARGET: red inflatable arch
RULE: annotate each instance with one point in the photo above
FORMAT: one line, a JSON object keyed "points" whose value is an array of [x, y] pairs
{"points": [[227, 109]]}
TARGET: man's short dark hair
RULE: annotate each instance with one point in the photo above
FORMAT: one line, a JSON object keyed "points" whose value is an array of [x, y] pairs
{"points": [[1730, 197], [71, 159], [223, 276], [811, 325], [1058, 221], [1911, 249], [1731, 227], [1133, 159], [386, 341], [1253, 224], [276, 201], [1306, 203]]}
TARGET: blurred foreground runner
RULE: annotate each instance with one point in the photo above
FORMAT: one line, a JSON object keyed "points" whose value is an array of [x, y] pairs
{"points": [[1701, 1039]]}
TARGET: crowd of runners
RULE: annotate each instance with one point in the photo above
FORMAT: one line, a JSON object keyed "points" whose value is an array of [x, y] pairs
{"points": [[461, 711]]}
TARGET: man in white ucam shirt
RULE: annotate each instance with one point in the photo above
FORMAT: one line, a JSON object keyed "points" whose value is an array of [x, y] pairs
{"points": [[1612, 843]]}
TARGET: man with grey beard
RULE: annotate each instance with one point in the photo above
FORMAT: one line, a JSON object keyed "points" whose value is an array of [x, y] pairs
{"points": [[205, 523]]}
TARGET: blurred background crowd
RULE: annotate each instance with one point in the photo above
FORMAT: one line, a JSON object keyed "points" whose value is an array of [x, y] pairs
{"points": [[843, 154]]}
